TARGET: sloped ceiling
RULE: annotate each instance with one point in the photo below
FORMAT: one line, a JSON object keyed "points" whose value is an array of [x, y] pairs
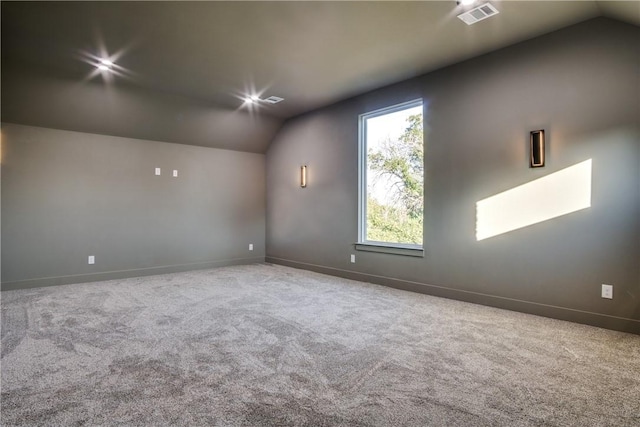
{"points": [[183, 68]]}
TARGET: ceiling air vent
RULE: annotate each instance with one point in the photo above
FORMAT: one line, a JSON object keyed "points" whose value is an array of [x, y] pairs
{"points": [[479, 13], [273, 99]]}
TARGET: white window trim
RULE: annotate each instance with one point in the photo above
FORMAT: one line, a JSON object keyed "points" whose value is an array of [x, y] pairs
{"points": [[370, 245]]}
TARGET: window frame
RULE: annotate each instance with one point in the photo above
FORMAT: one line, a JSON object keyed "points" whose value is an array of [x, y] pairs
{"points": [[371, 245]]}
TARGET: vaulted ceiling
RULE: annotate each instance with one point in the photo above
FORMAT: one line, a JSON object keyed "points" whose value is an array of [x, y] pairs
{"points": [[183, 69]]}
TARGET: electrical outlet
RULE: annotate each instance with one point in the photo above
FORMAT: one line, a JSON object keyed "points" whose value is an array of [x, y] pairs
{"points": [[157, 171], [250, 246], [607, 291], [353, 258], [91, 259], [175, 173]]}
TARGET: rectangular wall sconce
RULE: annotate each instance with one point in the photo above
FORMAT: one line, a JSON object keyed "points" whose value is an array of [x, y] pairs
{"points": [[303, 176], [536, 149]]}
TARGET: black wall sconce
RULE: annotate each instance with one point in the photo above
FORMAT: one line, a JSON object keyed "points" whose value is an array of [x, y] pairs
{"points": [[303, 176], [536, 149]]}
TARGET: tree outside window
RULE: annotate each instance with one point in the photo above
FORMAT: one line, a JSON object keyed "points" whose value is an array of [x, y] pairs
{"points": [[392, 177]]}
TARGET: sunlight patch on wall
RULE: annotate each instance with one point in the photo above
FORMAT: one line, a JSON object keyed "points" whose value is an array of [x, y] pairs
{"points": [[558, 194]]}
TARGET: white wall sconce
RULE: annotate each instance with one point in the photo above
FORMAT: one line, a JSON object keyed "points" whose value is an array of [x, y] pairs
{"points": [[303, 176], [536, 149]]}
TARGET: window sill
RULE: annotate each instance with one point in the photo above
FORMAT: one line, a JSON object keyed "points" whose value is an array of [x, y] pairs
{"points": [[393, 249]]}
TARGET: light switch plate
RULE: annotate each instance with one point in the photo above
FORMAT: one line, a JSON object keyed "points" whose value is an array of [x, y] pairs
{"points": [[157, 171], [91, 259], [175, 173]]}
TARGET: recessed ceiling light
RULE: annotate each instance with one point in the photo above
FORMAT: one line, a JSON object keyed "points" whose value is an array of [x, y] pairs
{"points": [[255, 99], [105, 65]]}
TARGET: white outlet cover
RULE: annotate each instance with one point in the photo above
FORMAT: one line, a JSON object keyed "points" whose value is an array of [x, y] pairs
{"points": [[175, 173], [157, 171], [607, 291], [250, 246], [353, 258], [91, 259]]}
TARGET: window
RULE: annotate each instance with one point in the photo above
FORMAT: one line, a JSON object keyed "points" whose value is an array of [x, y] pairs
{"points": [[391, 191]]}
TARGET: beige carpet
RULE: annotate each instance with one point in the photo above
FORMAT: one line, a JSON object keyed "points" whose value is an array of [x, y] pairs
{"points": [[269, 345]]}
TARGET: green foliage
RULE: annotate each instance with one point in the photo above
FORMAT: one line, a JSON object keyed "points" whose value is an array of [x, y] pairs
{"points": [[390, 224], [401, 164]]}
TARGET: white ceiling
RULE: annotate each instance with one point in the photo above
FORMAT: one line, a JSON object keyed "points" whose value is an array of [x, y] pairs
{"points": [[310, 53]]}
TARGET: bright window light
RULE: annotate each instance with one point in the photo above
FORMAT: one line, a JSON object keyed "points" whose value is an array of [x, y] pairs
{"points": [[391, 180], [561, 193]]}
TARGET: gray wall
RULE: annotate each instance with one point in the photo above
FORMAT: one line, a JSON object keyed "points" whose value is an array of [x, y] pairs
{"points": [[67, 195], [581, 84]]}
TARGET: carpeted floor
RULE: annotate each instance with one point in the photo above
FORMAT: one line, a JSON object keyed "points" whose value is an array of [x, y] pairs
{"points": [[270, 345]]}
